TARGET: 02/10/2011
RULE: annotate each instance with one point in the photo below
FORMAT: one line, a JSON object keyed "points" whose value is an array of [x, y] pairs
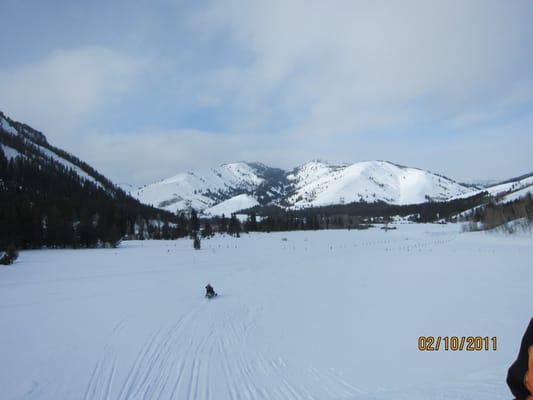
{"points": [[457, 343]]}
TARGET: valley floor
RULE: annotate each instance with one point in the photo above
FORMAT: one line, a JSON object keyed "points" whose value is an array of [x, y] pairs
{"points": [[300, 315]]}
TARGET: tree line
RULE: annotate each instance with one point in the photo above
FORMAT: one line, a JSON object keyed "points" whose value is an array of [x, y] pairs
{"points": [[356, 215], [497, 213], [43, 203]]}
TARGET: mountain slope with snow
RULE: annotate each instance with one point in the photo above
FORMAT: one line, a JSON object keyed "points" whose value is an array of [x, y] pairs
{"points": [[501, 194], [230, 206], [521, 183], [18, 139], [367, 181], [241, 185], [49, 197], [206, 188], [313, 184]]}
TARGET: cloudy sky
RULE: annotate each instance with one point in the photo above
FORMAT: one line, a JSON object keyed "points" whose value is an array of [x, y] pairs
{"points": [[145, 89]]}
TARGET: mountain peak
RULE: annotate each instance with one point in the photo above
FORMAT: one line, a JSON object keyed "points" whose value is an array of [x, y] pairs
{"points": [[315, 183], [317, 162], [17, 128]]}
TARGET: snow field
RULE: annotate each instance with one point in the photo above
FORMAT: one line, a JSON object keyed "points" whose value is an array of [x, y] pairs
{"points": [[320, 315]]}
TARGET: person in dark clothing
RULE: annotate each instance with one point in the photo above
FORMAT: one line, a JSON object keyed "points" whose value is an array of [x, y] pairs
{"points": [[520, 374], [209, 291]]}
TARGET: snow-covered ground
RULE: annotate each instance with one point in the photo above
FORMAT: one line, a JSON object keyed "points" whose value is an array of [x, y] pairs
{"points": [[301, 315], [232, 205]]}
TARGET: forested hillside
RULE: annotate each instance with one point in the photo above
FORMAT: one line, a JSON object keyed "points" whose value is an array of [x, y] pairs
{"points": [[49, 197]]}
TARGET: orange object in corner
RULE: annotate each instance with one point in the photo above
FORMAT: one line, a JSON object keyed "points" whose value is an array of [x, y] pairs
{"points": [[528, 379]]}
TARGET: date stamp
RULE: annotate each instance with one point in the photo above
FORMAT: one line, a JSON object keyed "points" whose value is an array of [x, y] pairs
{"points": [[457, 343]]}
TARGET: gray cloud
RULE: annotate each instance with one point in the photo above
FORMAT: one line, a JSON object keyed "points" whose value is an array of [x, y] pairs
{"points": [[352, 66], [445, 86], [147, 156], [59, 92]]}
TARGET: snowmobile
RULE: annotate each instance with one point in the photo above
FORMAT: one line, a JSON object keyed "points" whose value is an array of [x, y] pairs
{"points": [[210, 292]]}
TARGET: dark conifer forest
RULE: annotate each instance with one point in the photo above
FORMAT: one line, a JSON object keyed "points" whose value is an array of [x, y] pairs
{"points": [[45, 202]]}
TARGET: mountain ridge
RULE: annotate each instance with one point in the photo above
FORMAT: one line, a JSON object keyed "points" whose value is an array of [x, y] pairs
{"points": [[311, 184], [234, 186]]}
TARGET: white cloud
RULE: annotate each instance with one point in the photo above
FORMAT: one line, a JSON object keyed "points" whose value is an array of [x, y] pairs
{"points": [[143, 157], [437, 85], [57, 93], [355, 65], [146, 156]]}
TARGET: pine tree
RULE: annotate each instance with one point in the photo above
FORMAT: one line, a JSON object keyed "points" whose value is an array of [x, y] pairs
{"points": [[196, 242], [234, 227], [165, 231], [223, 224], [194, 223], [253, 222], [114, 236], [207, 231]]}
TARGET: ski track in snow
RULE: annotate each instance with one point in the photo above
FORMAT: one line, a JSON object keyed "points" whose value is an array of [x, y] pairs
{"points": [[173, 364]]}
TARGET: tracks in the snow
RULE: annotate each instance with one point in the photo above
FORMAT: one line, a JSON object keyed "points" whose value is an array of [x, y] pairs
{"points": [[207, 355]]}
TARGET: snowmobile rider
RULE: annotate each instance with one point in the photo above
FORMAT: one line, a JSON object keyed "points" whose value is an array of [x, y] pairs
{"points": [[520, 374], [209, 291]]}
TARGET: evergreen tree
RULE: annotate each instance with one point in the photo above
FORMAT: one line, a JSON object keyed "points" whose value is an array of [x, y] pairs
{"points": [[252, 223], [194, 223], [165, 231], [234, 227], [207, 231], [196, 242], [223, 224], [114, 236]]}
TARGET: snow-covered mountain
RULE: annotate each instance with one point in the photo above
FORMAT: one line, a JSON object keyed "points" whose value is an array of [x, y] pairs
{"points": [[18, 139], [236, 186], [241, 185], [506, 190], [501, 193], [207, 188], [49, 197], [512, 189], [320, 184]]}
